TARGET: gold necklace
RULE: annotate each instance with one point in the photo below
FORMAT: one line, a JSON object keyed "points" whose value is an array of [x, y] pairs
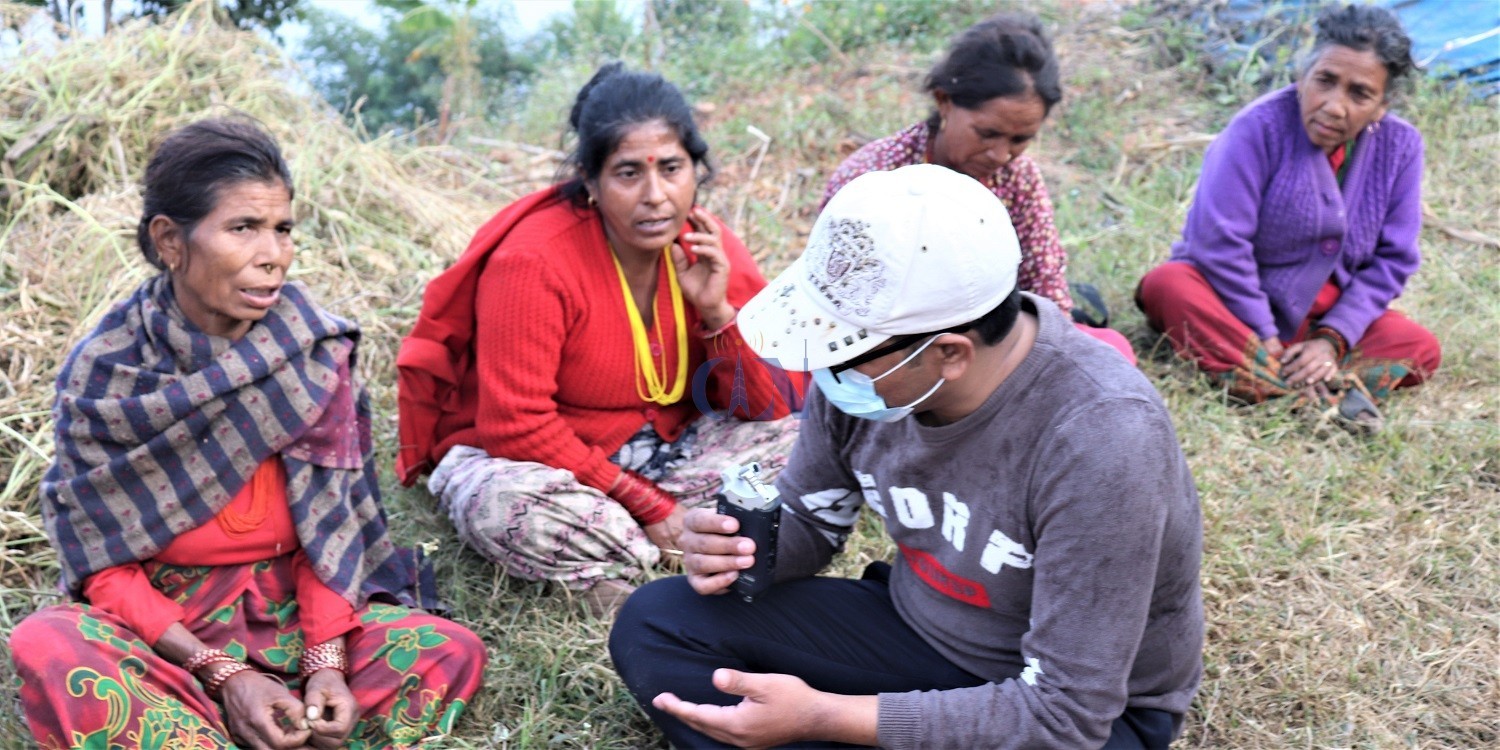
{"points": [[656, 390]]}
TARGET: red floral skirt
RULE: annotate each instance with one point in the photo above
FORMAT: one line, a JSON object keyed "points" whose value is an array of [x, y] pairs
{"points": [[87, 680]]}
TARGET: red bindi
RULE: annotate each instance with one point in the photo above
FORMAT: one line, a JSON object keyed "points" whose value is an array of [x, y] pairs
{"points": [[650, 159]]}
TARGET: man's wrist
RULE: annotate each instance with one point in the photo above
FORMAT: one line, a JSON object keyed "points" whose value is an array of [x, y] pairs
{"points": [[851, 719]]}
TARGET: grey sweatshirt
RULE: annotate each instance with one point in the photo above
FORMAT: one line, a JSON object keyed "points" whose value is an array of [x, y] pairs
{"points": [[1049, 543]]}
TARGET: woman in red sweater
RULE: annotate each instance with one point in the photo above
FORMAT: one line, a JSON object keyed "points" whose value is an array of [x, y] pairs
{"points": [[214, 506], [577, 379]]}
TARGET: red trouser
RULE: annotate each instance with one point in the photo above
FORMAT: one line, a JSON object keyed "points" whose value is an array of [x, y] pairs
{"points": [[1112, 337], [1178, 301]]}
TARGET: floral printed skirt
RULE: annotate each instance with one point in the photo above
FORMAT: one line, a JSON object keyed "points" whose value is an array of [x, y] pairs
{"points": [[88, 681], [540, 523]]}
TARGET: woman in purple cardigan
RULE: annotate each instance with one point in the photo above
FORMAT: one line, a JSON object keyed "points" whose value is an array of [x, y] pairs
{"points": [[1303, 230]]}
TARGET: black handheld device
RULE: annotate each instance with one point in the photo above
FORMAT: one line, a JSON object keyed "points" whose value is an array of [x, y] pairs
{"points": [[757, 506]]}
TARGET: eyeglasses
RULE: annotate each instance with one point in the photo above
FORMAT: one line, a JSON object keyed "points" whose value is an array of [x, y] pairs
{"points": [[896, 345]]}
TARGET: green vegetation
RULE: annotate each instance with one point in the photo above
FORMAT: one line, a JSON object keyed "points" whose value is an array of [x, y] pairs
{"points": [[427, 64], [705, 44], [1350, 584], [69, 15]]}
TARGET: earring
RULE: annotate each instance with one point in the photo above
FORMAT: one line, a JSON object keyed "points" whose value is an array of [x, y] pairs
{"points": [[592, 202], [942, 123]]}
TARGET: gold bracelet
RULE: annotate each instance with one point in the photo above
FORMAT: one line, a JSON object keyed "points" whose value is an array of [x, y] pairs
{"points": [[205, 657], [325, 655], [215, 683]]}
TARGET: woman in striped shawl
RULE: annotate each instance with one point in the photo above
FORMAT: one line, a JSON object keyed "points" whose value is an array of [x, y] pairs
{"points": [[214, 504]]}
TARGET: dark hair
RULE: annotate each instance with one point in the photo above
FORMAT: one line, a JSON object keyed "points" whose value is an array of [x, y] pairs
{"points": [[1366, 28], [1003, 55], [610, 104], [194, 163], [997, 323], [991, 328]]}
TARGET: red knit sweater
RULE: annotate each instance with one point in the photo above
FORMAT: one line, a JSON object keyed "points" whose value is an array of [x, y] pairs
{"points": [[554, 373]]}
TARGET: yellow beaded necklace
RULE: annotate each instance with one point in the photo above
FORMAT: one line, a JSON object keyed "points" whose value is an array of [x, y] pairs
{"points": [[656, 390]]}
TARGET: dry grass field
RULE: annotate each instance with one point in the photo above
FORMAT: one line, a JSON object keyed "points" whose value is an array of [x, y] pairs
{"points": [[1352, 585]]}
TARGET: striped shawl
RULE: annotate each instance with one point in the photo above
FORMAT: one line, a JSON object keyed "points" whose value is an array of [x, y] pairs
{"points": [[160, 425]]}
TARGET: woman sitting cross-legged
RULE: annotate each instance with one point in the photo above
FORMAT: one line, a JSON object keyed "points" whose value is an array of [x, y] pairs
{"points": [[577, 379], [1303, 231], [214, 505], [991, 94]]}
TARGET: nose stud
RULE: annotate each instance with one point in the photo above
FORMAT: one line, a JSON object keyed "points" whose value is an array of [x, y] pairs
{"points": [[268, 267]]}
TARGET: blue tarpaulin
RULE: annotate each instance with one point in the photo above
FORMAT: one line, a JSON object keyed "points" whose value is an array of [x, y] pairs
{"points": [[1450, 38], [1455, 37]]}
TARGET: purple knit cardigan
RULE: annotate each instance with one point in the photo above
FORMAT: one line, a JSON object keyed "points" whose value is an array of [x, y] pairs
{"points": [[1269, 225]]}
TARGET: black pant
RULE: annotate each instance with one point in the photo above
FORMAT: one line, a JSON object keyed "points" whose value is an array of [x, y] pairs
{"points": [[839, 635]]}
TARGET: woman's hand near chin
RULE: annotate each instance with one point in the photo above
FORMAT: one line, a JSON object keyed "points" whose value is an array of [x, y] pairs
{"points": [[704, 281]]}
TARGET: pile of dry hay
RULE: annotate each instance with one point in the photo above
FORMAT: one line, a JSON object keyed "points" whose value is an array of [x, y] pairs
{"points": [[376, 219]]}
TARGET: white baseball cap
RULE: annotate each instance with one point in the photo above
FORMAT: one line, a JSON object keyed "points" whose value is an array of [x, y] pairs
{"points": [[915, 250]]}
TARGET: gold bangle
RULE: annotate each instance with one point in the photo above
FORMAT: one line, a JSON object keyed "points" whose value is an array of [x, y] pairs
{"points": [[205, 657], [325, 655], [214, 686]]}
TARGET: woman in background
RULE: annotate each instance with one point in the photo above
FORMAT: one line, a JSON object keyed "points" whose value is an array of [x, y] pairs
{"points": [[991, 94], [1303, 231]]}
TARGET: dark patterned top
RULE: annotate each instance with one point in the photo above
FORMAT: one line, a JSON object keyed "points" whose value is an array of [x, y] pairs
{"points": [[1019, 185], [160, 425]]}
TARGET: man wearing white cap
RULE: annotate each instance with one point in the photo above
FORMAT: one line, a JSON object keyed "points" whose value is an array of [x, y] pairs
{"points": [[1045, 589]]}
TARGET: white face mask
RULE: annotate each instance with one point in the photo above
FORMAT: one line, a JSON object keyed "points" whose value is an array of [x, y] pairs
{"points": [[853, 392]]}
